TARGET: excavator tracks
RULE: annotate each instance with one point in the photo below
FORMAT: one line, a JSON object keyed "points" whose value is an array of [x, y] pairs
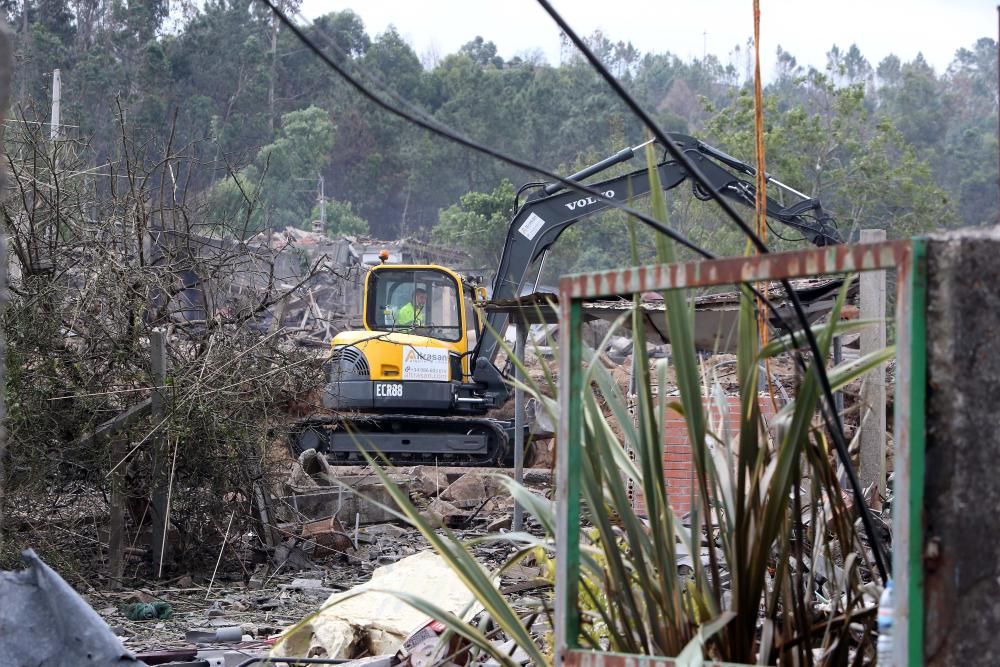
{"points": [[405, 439]]}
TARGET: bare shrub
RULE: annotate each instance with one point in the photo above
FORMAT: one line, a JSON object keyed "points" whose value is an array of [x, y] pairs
{"points": [[100, 259]]}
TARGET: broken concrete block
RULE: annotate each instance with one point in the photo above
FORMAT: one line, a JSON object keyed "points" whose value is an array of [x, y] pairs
{"points": [[442, 513], [372, 533], [356, 495], [429, 480], [468, 491], [503, 523]]}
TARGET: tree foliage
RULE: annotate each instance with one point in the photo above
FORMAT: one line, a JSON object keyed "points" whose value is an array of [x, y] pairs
{"points": [[893, 144]]}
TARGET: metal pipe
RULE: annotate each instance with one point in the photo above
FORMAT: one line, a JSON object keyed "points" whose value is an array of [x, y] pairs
{"points": [[608, 162], [521, 340], [787, 187]]}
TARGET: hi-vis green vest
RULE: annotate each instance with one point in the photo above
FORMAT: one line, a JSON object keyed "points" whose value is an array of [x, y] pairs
{"points": [[406, 316]]}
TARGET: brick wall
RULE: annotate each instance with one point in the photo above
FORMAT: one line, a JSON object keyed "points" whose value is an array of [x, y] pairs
{"points": [[678, 464]]}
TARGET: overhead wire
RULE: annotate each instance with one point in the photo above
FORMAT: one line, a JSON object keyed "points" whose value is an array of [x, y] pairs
{"points": [[439, 129], [444, 131], [435, 127], [830, 415]]}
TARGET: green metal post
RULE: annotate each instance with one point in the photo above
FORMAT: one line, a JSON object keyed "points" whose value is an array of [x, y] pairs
{"points": [[917, 405], [910, 437]]}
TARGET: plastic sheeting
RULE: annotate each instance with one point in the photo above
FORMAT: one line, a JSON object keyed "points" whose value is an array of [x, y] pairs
{"points": [[43, 621], [378, 622]]}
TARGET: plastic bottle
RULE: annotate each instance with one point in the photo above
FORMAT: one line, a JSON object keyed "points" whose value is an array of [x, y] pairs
{"points": [[884, 646]]}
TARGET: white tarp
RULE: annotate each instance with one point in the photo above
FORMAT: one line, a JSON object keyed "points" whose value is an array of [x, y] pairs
{"points": [[378, 621]]}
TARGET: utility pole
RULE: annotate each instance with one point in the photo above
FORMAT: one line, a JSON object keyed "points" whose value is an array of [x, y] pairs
{"points": [[56, 100], [319, 226], [322, 201]]}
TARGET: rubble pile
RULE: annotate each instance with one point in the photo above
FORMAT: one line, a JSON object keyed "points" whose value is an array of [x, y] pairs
{"points": [[336, 539]]}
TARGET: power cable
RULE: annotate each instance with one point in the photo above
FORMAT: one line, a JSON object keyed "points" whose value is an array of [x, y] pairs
{"points": [[443, 131], [830, 415], [436, 127], [420, 118]]}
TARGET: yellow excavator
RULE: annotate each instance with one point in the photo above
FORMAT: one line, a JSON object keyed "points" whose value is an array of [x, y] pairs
{"points": [[417, 383]]}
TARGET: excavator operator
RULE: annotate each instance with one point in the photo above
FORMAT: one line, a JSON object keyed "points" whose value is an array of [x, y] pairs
{"points": [[412, 313]]}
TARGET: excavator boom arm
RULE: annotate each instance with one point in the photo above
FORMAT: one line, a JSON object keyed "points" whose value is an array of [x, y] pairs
{"points": [[546, 215]]}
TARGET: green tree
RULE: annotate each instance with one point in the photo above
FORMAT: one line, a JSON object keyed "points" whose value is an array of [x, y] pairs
{"points": [[478, 223], [861, 168], [279, 179], [341, 220]]}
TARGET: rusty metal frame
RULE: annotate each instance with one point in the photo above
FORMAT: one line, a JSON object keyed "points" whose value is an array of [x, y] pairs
{"points": [[574, 289]]}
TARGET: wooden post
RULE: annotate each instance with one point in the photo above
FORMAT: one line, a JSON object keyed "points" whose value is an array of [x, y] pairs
{"points": [[872, 402], [116, 540], [161, 459]]}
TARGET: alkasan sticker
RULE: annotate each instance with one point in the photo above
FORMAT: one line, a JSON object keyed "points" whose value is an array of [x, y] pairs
{"points": [[425, 363]]}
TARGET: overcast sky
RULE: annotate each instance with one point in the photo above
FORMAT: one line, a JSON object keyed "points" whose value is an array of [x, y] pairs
{"points": [[805, 28]]}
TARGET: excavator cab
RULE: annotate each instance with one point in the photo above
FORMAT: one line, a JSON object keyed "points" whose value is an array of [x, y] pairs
{"points": [[413, 354], [422, 301]]}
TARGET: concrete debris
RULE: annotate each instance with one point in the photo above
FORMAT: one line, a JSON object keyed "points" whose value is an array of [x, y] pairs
{"points": [[266, 597], [619, 346], [441, 513], [367, 619], [467, 492], [371, 534], [290, 554], [309, 587], [318, 490], [498, 524], [429, 480]]}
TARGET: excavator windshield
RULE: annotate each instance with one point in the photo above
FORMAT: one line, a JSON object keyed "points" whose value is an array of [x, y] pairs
{"points": [[425, 302]]}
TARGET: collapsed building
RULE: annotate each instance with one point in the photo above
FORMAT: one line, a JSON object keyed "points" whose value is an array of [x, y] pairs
{"points": [[319, 279]]}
